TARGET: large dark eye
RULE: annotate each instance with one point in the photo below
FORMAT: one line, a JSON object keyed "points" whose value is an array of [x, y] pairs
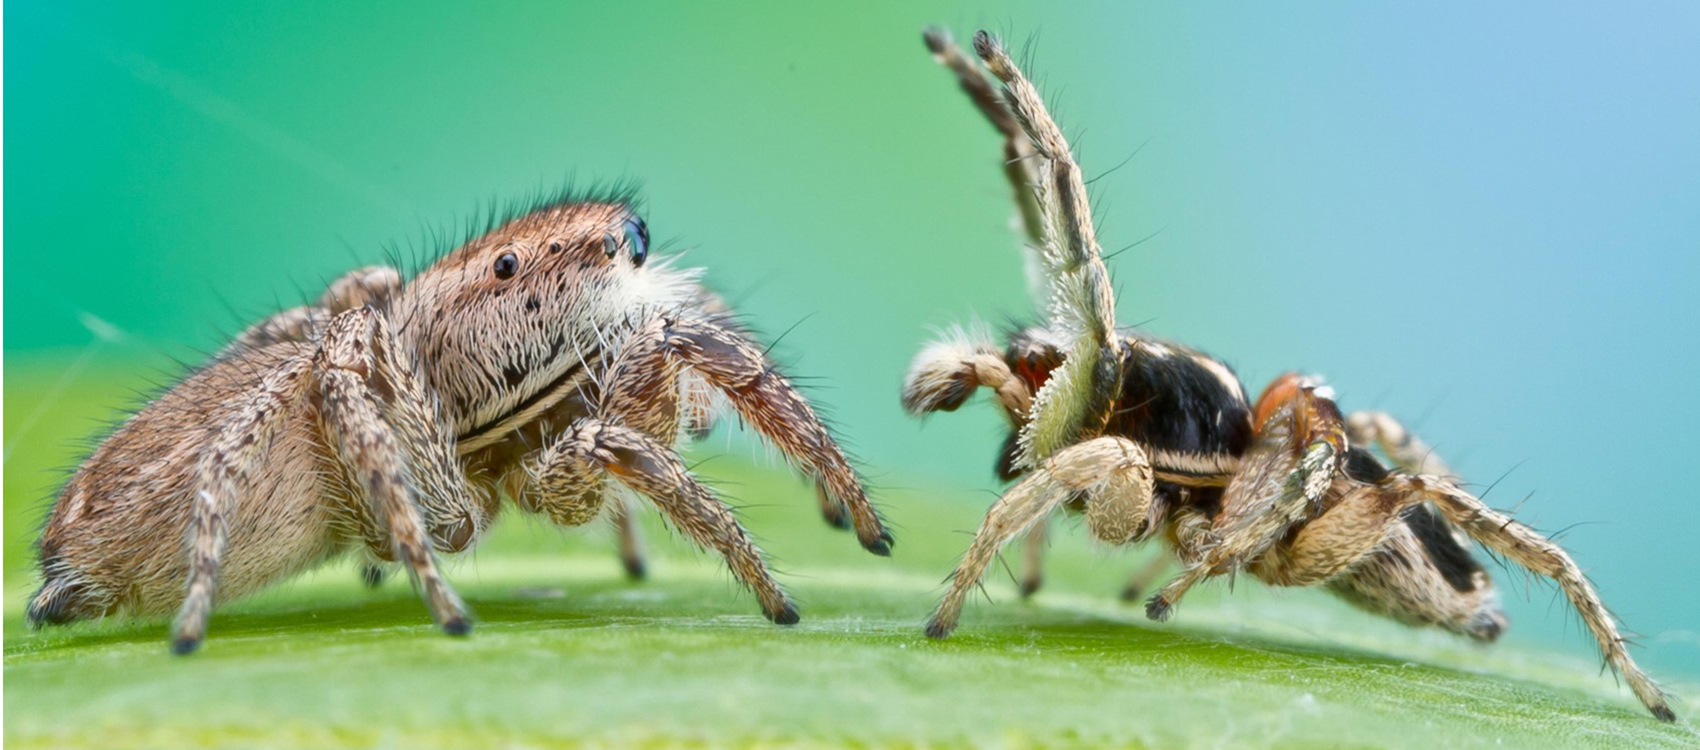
{"points": [[506, 266], [637, 239]]}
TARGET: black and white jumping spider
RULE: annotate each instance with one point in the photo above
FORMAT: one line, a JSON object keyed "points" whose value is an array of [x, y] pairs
{"points": [[1151, 438]]}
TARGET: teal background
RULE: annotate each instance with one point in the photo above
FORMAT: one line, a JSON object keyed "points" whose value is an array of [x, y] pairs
{"points": [[1484, 220]]}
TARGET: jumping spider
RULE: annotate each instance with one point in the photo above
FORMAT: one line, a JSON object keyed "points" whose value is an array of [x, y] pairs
{"points": [[537, 360], [1152, 438]]}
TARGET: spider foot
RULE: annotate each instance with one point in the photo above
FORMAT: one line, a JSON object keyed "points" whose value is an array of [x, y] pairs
{"points": [[938, 630], [185, 645], [882, 545], [372, 576], [1159, 608], [786, 615], [636, 568], [1030, 586]]}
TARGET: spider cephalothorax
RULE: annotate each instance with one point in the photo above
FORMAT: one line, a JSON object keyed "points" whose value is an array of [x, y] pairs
{"points": [[1152, 439], [548, 357]]}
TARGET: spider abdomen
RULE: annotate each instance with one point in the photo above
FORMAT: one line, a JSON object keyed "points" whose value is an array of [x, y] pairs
{"points": [[1179, 401]]}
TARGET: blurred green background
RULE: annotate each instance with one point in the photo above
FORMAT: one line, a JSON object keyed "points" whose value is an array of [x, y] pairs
{"points": [[1484, 220]]}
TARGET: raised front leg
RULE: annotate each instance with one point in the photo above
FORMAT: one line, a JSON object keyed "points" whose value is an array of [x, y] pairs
{"points": [[1017, 149]]}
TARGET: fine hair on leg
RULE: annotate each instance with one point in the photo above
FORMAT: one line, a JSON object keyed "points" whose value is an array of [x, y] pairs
{"points": [[1111, 471], [368, 447], [228, 463], [1530, 549]]}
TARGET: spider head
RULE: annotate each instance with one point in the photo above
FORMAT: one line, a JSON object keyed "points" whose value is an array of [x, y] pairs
{"points": [[531, 304], [1285, 391]]}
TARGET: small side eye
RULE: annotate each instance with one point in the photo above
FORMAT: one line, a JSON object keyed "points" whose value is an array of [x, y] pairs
{"points": [[555, 246], [637, 238], [506, 265]]}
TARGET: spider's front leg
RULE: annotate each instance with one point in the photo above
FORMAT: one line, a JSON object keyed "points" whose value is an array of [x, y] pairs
{"points": [[1114, 476], [568, 488], [382, 429], [368, 285], [732, 363], [639, 403], [637, 413], [945, 373]]}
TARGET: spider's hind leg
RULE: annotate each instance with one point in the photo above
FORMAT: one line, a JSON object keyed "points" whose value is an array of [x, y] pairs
{"points": [[1398, 444], [1532, 550], [1419, 575], [1423, 574], [394, 458]]}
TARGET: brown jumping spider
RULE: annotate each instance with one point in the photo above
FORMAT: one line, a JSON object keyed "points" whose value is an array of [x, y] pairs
{"points": [[1149, 437], [539, 359]]}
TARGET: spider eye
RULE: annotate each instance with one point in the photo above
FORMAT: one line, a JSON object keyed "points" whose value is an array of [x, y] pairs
{"points": [[637, 239], [555, 246], [506, 265], [636, 242]]}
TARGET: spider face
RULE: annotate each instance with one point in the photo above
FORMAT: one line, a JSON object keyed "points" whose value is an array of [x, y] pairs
{"points": [[519, 318]]}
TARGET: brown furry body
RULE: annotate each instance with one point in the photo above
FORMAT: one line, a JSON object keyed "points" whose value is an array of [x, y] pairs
{"points": [[279, 527], [541, 358]]}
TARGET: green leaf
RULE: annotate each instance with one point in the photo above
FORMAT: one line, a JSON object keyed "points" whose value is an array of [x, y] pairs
{"points": [[568, 654]]}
